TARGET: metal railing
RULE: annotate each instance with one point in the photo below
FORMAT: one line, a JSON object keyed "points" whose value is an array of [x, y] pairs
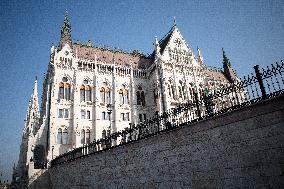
{"points": [[261, 85]]}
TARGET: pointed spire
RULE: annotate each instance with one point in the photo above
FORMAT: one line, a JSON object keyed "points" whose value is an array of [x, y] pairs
{"points": [[65, 32], [157, 45], [199, 56], [225, 59], [33, 111]]}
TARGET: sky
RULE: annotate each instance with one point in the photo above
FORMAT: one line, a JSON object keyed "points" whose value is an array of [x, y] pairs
{"points": [[251, 32]]}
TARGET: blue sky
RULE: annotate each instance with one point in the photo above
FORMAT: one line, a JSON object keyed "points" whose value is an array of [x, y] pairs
{"points": [[251, 32]]}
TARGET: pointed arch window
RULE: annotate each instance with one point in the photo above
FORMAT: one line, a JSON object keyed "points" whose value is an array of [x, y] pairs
{"points": [[102, 95], [67, 87], [126, 96], [65, 137], [120, 96], [82, 136], [88, 93], [88, 133], [61, 90], [104, 134], [142, 98], [138, 97], [82, 93], [108, 97], [59, 136], [64, 89]]}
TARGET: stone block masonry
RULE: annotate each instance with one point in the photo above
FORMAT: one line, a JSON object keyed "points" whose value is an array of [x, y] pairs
{"points": [[240, 149]]}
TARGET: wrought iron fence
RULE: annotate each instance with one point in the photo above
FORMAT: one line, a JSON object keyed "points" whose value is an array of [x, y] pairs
{"points": [[264, 84]]}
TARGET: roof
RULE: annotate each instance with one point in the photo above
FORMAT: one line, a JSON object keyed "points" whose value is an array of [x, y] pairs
{"points": [[108, 56], [217, 75], [165, 40]]}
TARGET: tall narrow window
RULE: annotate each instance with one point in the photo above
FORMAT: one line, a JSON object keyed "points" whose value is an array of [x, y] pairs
{"points": [[88, 136], [60, 113], [83, 114], [66, 113], [140, 118], [104, 134], [103, 115], [65, 137], [180, 91], [61, 90], [120, 96], [67, 91], [127, 117], [102, 95], [142, 98], [88, 114], [59, 136], [126, 97], [82, 136], [169, 90], [82, 93], [108, 98], [122, 117], [138, 98], [173, 91], [88, 93]]}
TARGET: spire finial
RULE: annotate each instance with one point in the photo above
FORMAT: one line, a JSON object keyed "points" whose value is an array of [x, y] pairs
{"points": [[225, 59], [175, 24]]}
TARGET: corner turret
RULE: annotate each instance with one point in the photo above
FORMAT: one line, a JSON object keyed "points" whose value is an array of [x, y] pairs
{"points": [[32, 117]]}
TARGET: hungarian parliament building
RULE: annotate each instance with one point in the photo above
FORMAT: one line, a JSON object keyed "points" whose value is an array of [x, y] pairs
{"points": [[90, 92]]}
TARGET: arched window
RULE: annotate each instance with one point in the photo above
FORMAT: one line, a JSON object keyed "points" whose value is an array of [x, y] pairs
{"points": [[169, 90], [102, 95], [61, 90], [65, 137], [180, 91], [88, 93], [59, 136], [83, 136], [173, 91], [120, 96], [82, 93], [67, 91], [142, 98], [126, 96], [108, 98], [138, 96], [88, 136], [103, 115], [64, 89], [104, 134]]}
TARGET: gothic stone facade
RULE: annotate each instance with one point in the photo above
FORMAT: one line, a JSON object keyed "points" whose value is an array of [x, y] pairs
{"points": [[90, 92]]}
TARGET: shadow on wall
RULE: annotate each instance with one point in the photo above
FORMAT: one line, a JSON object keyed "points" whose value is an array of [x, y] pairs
{"points": [[42, 181]]}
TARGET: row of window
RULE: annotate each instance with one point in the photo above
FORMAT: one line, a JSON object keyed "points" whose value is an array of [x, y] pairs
{"points": [[105, 93], [182, 92], [62, 137]]}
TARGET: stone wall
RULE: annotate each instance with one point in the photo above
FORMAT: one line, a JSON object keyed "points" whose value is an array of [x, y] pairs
{"points": [[241, 149]]}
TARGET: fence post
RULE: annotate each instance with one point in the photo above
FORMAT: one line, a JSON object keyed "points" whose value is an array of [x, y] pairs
{"points": [[259, 79], [197, 106]]}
